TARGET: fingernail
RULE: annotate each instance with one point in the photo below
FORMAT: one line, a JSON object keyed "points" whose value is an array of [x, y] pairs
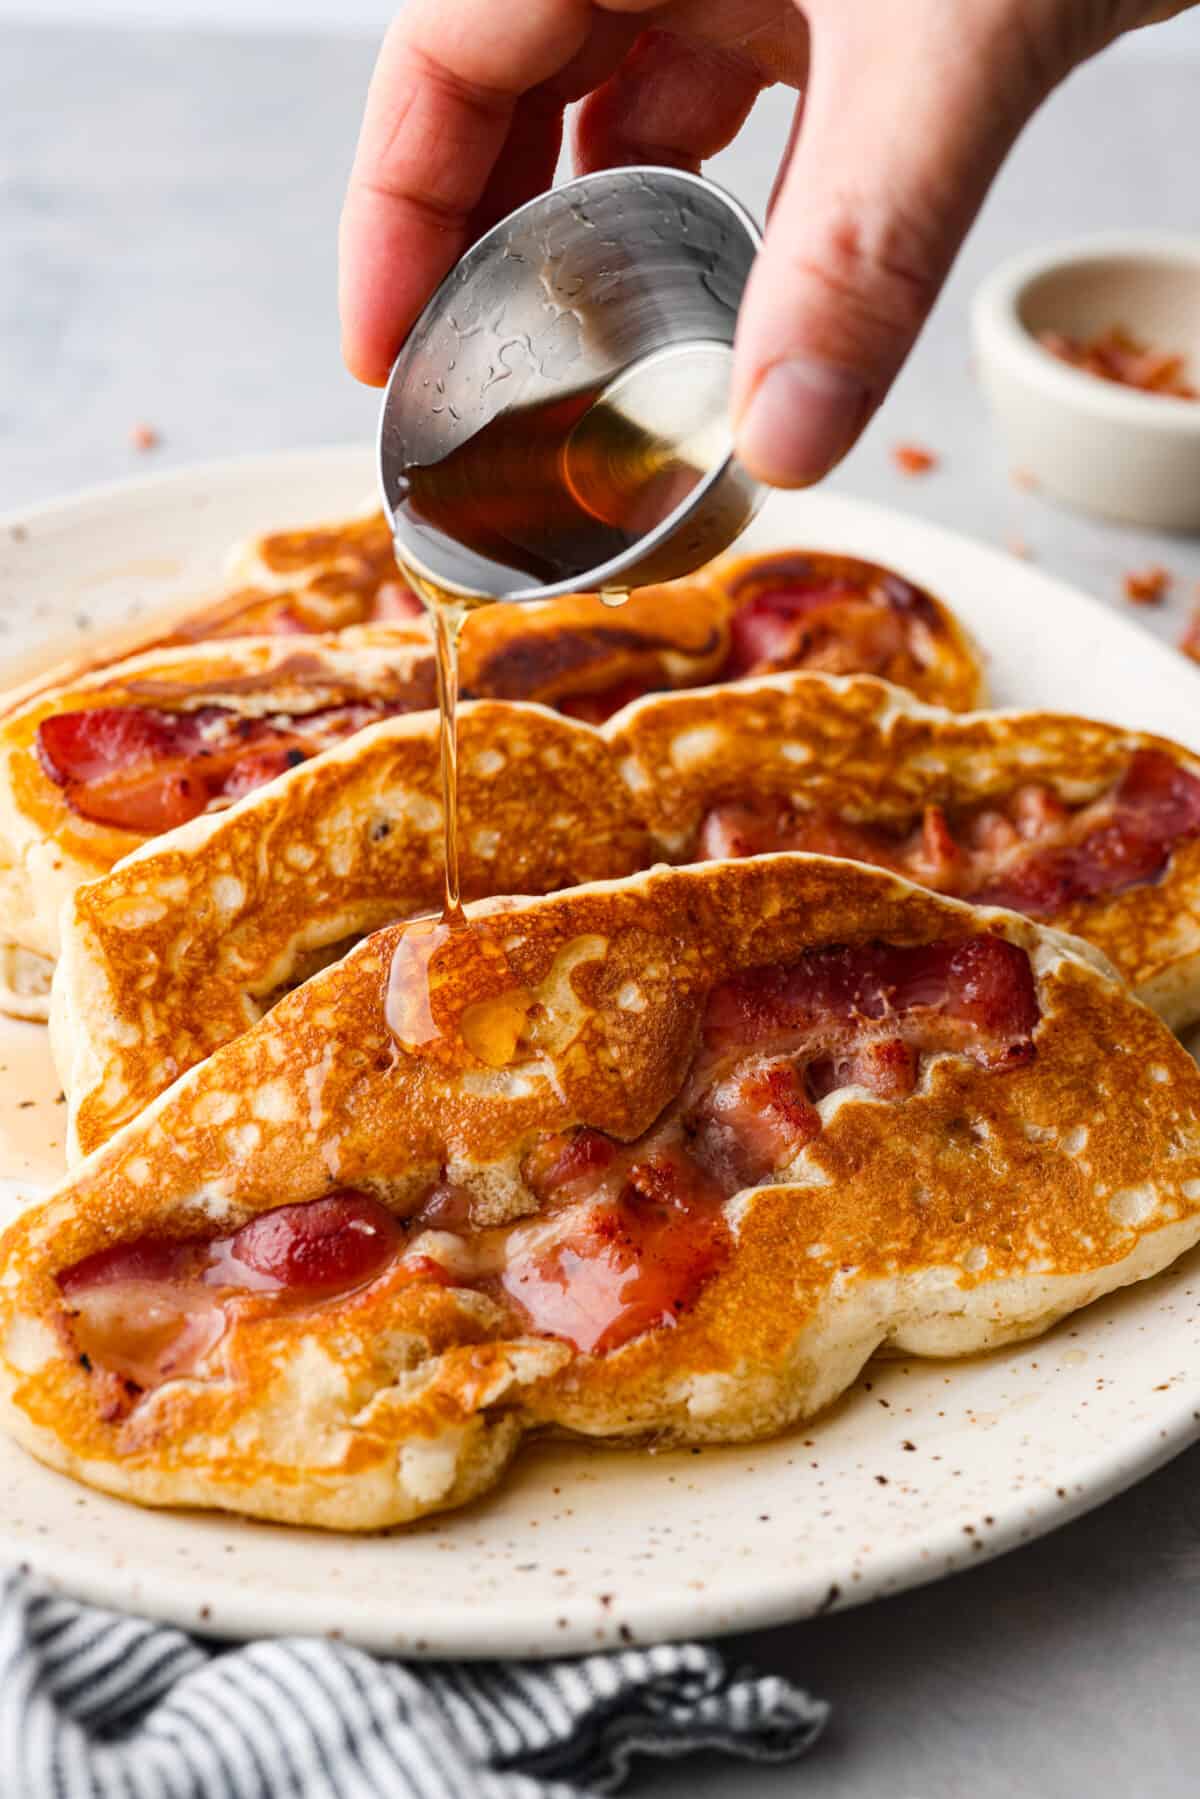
{"points": [[801, 418]]}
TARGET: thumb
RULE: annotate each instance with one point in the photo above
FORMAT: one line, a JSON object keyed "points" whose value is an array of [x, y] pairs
{"points": [[901, 133]]}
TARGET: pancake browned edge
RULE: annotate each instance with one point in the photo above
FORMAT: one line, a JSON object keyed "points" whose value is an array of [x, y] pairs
{"points": [[185, 944], [342, 576], [1000, 1194], [47, 848], [320, 579]]}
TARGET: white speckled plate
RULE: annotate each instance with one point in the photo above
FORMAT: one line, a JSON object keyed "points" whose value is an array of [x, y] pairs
{"points": [[923, 1467]]}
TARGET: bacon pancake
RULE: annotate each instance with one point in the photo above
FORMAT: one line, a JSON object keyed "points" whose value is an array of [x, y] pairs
{"points": [[837, 615], [181, 947], [286, 583], [784, 609], [670, 1156], [89, 771], [1086, 826]]}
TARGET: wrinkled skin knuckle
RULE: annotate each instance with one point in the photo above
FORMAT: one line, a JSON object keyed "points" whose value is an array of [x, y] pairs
{"points": [[881, 276]]}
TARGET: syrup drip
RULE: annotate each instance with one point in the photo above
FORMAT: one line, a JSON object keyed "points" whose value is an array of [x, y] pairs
{"points": [[549, 490]]}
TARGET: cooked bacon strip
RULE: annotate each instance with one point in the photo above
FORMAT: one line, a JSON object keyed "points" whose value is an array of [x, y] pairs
{"points": [[975, 997], [628, 1267], [139, 768], [827, 613], [1036, 855], [627, 1234], [151, 1309]]}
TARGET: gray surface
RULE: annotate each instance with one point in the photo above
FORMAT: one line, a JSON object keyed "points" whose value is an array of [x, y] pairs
{"points": [[167, 212]]}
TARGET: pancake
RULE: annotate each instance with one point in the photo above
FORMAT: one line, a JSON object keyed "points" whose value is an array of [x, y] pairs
{"points": [[1088, 827], [668, 1157], [327, 578], [183, 946], [749, 615], [838, 615], [91, 770]]}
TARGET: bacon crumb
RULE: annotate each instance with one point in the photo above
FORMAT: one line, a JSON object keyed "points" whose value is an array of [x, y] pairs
{"points": [[1017, 546], [143, 437], [914, 459], [1148, 586], [1025, 479], [1116, 355]]}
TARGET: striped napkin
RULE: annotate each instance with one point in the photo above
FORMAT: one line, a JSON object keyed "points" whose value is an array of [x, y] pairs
{"points": [[95, 1705]]}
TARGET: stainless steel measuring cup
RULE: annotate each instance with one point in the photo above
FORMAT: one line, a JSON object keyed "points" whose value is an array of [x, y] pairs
{"points": [[625, 284]]}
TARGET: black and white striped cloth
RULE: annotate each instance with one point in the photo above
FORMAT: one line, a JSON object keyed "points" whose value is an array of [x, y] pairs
{"points": [[94, 1705]]}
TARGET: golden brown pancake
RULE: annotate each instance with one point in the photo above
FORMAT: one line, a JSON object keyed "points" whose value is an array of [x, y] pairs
{"points": [[182, 947], [666, 1157], [832, 613], [76, 796]]}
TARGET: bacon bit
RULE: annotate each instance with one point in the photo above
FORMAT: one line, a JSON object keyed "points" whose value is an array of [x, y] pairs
{"points": [[144, 437], [1147, 587], [1017, 546], [914, 459], [142, 769], [628, 1268], [755, 1122], [571, 1165], [1025, 479], [322, 1244], [447, 1208], [1116, 355]]}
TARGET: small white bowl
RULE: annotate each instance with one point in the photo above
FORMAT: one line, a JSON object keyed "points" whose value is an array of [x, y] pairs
{"points": [[1105, 448]]}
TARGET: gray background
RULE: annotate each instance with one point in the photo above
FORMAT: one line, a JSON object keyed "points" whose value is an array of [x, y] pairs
{"points": [[168, 202]]}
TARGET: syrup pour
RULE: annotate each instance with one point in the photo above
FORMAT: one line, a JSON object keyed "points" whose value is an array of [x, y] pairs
{"points": [[548, 491]]}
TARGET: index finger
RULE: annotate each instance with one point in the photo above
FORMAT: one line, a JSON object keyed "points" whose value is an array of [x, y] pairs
{"points": [[439, 109]]}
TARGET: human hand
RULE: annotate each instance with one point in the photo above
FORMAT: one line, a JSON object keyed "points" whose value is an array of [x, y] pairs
{"points": [[906, 113]]}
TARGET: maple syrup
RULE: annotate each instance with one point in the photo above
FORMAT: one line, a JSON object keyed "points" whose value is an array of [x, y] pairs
{"points": [[546, 492]]}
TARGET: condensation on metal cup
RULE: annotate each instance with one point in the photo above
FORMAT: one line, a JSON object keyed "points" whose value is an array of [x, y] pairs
{"points": [[631, 277]]}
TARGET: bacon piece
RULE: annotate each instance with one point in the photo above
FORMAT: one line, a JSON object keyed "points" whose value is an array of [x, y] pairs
{"points": [[1037, 810], [754, 1123], [150, 1309], [629, 1267], [330, 1244], [1036, 856], [1116, 355], [1155, 806], [764, 822], [447, 1208], [569, 1166], [87, 746], [748, 827], [982, 989], [144, 1259], [938, 860], [142, 769], [914, 459], [1147, 586], [831, 626], [885, 1066]]}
